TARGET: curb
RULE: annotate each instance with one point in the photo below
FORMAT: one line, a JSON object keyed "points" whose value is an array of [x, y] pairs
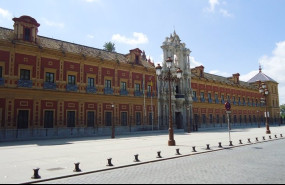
{"points": [[148, 162]]}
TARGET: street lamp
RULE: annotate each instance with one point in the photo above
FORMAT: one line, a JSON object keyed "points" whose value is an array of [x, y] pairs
{"points": [[169, 77], [265, 92], [113, 124]]}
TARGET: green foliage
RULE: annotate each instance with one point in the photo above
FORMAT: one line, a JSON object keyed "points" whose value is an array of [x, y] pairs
{"points": [[109, 46], [282, 107]]}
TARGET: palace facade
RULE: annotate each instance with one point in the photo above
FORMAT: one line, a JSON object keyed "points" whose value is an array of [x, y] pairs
{"points": [[51, 84], [47, 83], [211, 92]]}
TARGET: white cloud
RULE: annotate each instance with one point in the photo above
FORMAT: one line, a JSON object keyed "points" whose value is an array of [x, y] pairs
{"points": [[225, 13], [138, 38], [53, 24], [194, 63], [5, 14], [90, 36], [274, 67], [215, 4]]}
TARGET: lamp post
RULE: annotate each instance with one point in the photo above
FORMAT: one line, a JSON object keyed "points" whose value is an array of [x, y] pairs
{"points": [[265, 92], [169, 77], [113, 124]]}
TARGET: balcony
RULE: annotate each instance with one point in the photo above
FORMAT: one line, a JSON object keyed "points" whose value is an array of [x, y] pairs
{"points": [[223, 102], [202, 100], [108, 91], [180, 96], [124, 92], [217, 101], [71, 88], [50, 86], [138, 93], [25, 83], [210, 101], [149, 94], [91, 90], [195, 99], [2, 81]]}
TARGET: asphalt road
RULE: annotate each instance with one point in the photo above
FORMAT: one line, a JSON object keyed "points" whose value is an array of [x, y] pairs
{"points": [[261, 163]]}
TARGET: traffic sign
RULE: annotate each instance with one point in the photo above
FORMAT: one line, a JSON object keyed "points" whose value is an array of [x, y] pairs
{"points": [[228, 106]]}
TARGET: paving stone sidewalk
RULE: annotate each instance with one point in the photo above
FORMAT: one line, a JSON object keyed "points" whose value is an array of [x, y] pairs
{"points": [[56, 158]]}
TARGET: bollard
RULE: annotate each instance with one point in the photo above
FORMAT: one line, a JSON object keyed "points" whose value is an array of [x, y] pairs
{"points": [[257, 140], [264, 139], [270, 137], [36, 174], [231, 143], [281, 135], [159, 155], [110, 162], [194, 149], [177, 152], [240, 142], [208, 147], [136, 158], [77, 169], [276, 137], [220, 145], [249, 141]]}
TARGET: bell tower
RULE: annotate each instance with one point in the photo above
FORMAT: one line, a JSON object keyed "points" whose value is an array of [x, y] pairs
{"points": [[26, 29], [181, 90]]}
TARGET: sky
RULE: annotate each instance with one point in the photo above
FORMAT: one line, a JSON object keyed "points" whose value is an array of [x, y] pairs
{"points": [[225, 36]]}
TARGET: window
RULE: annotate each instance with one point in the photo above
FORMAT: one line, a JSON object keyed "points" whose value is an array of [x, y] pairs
{"points": [[194, 94], [23, 119], [223, 98], [218, 119], [150, 118], [211, 118], [124, 118], [202, 95], [91, 82], [108, 84], [48, 119], [245, 119], [123, 86], [71, 119], [50, 77], [210, 96], [137, 59], [224, 119], [71, 80], [149, 89], [204, 119], [108, 118], [1, 72], [137, 87], [25, 74], [216, 97], [27, 34], [90, 119], [138, 118]]}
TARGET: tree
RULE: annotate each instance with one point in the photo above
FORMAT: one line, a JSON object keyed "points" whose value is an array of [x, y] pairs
{"points": [[109, 46], [282, 107]]}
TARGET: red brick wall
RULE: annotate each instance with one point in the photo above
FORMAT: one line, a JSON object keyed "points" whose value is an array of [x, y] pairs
{"points": [[50, 63], [31, 61], [5, 57]]}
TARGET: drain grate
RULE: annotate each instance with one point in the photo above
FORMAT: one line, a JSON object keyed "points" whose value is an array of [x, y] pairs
{"points": [[55, 169]]}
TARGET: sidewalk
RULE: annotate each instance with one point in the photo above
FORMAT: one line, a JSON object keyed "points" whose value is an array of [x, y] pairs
{"points": [[56, 158]]}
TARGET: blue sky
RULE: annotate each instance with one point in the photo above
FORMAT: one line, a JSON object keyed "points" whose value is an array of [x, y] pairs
{"points": [[226, 36]]}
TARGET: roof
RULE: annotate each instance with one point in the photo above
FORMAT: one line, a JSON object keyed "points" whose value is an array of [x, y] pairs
{"points": [[63, 46], [261, 77], [225, 80]]}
